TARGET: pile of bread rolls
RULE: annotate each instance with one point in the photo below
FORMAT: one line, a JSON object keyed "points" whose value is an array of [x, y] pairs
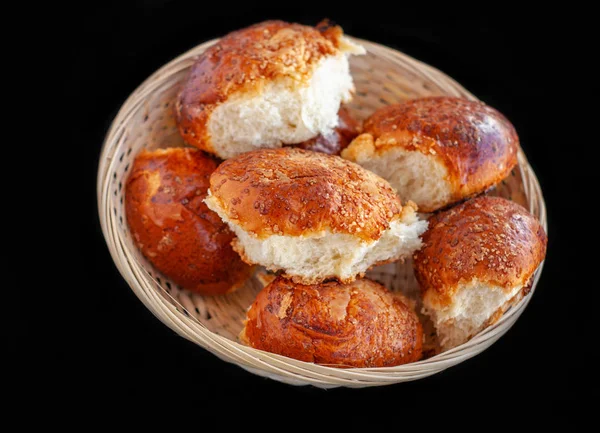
{"points": [[281, 176]]}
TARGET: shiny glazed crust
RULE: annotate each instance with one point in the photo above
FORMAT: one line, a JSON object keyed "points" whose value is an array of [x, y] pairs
{"points": [[489, 239], [476, 143], [172, 226], [245, 60], [297, 192], [360, 324]]}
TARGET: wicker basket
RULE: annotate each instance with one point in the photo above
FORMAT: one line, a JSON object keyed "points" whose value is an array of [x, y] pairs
{"points": [[383, 76]]}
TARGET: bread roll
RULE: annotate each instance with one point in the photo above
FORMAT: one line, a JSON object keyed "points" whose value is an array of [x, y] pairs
{"points": [[270, 84], [313, 216], [477, 260], [172, 226], [437, 151], [338, 139], [360, 324]]}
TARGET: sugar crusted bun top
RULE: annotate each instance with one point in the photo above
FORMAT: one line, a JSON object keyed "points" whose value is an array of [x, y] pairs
{"points": [[489, 239], [244, 60], [297, 192]]}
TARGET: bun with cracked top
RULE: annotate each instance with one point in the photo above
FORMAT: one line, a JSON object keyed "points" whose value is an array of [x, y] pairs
{"points": [[270, 84], [437, 151], [172, 226], [477, 260], [310, 215], [360, 324]]}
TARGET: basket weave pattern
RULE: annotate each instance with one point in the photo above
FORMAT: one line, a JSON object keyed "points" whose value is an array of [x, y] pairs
{"points": [[381, 77]]}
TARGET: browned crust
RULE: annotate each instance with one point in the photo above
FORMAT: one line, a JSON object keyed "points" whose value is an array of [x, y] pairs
{"points": [[297, 192], [476, 143], [243, 61], [338, 139], [344, 325], [172, 226], [491, 239]]}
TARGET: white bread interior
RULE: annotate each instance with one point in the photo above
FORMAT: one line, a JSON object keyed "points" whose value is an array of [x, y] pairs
{"points": [[318, 256], [473, 305], [414, 175], [285, 110]]}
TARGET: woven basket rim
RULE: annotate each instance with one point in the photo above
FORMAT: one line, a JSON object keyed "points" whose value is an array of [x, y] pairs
{"points": [[291, 370]]}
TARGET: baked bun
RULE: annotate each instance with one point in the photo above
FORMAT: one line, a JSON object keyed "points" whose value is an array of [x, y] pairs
{"points": [[437, 151], [477, 260], [338, 139], [313, 216], [268, 84], [172, 226], [360, 324]]}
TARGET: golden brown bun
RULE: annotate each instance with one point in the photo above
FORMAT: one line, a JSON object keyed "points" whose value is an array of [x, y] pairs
{"points": [[360, 324], [172, 226], [333, 143], [311, 215], [475, 142], [297, 192], [243, 61], [488, 239]]}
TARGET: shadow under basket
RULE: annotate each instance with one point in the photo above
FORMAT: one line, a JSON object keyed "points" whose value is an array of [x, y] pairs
{"points": [[383, 76]]}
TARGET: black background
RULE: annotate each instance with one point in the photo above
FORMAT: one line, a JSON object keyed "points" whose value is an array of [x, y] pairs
{"points": [[519, 63]]}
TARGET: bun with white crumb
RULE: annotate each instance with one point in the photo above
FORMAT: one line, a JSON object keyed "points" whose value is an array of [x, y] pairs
{"points": [[311, 215], [477, 260], [437, 151], [270, 84]]}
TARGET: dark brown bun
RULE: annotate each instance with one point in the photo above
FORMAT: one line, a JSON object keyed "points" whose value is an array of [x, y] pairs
{"points": [[172, 226], [336, 141], [490, 240], [474, 143], [360, 324]]}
